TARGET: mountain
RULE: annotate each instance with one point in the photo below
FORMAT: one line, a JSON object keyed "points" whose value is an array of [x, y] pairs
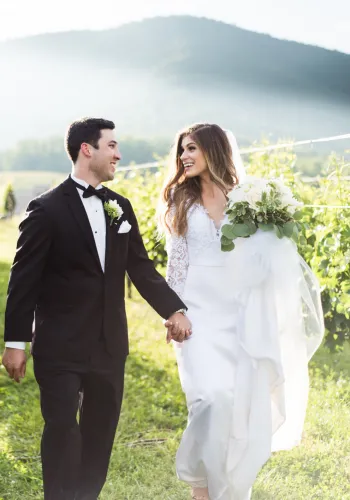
{"points": [[155, 76]]}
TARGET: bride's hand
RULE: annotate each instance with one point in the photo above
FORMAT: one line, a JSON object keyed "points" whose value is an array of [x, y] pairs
{"points": [[179, 328]]}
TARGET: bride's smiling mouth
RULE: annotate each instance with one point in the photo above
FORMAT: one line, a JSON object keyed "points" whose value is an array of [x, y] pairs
{"points": [[188, 165]]}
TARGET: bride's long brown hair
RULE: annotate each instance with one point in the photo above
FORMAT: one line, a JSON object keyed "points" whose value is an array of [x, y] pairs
{"points": [[180, 193]]}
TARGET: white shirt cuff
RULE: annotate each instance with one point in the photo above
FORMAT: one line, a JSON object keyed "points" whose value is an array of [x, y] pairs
{"points": [[16, 345]]}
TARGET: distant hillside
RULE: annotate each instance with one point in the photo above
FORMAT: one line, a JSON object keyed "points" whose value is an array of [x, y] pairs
{"points": [[49, 154], [155, 76]]}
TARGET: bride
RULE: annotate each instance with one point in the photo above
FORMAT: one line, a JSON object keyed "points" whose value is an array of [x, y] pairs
{"points": [[256, 321]]}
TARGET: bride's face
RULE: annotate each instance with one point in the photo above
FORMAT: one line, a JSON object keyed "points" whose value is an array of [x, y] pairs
{"points": [[192, 158]]}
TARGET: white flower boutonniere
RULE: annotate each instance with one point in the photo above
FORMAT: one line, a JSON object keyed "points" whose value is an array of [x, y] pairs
{"points": [[113, 209]]}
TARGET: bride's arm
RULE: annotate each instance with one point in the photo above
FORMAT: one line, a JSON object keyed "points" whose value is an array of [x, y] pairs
{"points": [[176, 247]]}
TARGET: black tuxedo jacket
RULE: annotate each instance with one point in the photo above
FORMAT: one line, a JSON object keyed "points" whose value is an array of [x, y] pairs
{"points": [[57, 278]]}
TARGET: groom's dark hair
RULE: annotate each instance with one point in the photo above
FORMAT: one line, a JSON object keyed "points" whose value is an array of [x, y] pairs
{"points": [[85, 130]]}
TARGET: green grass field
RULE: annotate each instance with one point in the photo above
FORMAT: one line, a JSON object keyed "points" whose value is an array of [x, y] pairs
{"points": [[154, 416]]}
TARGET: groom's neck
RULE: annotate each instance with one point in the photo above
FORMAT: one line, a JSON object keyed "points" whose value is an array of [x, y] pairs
{"points": [[85, 175]]}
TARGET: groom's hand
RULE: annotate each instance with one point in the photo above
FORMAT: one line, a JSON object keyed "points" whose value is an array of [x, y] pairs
{"points": [[15, 361], [179, 328]]}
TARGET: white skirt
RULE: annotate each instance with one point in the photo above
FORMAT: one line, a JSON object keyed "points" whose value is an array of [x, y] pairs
{"points": [[244, 369]]}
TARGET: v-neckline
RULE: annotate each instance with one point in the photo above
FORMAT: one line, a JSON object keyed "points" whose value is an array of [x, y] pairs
{"points": [[217, 227]]}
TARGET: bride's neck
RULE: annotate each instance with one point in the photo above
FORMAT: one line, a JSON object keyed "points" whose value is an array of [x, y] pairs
{"points": [[208, 188]]}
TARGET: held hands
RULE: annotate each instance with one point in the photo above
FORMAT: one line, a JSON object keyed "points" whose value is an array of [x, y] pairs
{"points": [[179, 328], [15, 361]]}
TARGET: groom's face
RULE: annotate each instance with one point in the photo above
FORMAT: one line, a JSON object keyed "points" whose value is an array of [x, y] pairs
{"points": [[105, 158]]}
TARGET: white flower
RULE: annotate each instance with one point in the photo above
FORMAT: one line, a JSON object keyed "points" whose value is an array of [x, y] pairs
{"points": [[255, 194], [116, 208], [250, 191], [286, 196], [237, 195], [113, 209]]}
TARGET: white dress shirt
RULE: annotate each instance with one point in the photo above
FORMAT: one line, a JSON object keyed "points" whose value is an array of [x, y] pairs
{"points": [[95, 213]]}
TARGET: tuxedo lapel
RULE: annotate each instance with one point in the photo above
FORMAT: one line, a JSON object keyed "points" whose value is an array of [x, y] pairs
{"points": [[78, 211], [109, 240], [112, 244], [118, 223]]}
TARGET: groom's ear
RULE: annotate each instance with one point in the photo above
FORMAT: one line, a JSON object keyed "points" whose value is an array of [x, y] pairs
{"points": [[85, 148]]}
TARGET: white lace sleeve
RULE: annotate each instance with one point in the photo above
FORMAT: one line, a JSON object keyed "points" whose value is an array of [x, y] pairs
{"points": [[176, 247]]}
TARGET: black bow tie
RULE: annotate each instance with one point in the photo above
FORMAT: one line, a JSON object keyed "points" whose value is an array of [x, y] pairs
{"points": [[100, 193], [91, 191]]}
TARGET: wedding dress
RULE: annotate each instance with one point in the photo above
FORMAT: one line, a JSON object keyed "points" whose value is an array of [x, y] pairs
{"points": [[256, 321]]}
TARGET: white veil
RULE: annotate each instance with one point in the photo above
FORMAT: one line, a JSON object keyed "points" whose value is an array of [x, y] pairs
{"points": [[280, 326], [236, 156]]}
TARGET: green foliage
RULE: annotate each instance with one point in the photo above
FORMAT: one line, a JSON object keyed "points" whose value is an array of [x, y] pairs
{"points": [[143, 189], [326, 246], [9, 201], [325, 238]]}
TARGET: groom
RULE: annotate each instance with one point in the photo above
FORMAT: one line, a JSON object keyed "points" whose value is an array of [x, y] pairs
{"points": [[75, 246]]}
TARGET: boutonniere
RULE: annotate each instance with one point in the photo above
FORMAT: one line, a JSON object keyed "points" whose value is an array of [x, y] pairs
{"points": [[113, 209]]}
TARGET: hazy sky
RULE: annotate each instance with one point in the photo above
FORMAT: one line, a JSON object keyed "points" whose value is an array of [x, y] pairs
{"points": [[319, 22]]}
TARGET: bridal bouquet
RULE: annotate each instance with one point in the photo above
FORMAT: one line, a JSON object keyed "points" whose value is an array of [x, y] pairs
{"points": [[263, 204]]}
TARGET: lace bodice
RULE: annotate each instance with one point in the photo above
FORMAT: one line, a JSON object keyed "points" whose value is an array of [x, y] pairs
{"points": [[199, 247]]}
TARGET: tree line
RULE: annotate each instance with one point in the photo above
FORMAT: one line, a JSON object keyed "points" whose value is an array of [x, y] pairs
{"points": [[49, 154]]}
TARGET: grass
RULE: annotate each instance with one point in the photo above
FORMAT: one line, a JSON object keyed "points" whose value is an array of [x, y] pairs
{"points": [[8, 238], [154, 415]]}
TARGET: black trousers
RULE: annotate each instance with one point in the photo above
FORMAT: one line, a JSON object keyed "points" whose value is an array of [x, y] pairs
{"points": [[75, 456]]}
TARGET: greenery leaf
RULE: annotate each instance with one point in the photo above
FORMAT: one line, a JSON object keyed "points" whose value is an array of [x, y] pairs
{"points": [[266, 227], [288, 229], [227, 231], [225, 241], [298, 215], [279, 231], [228, 248], [252, 227], [295, 234], [241, 230]]}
